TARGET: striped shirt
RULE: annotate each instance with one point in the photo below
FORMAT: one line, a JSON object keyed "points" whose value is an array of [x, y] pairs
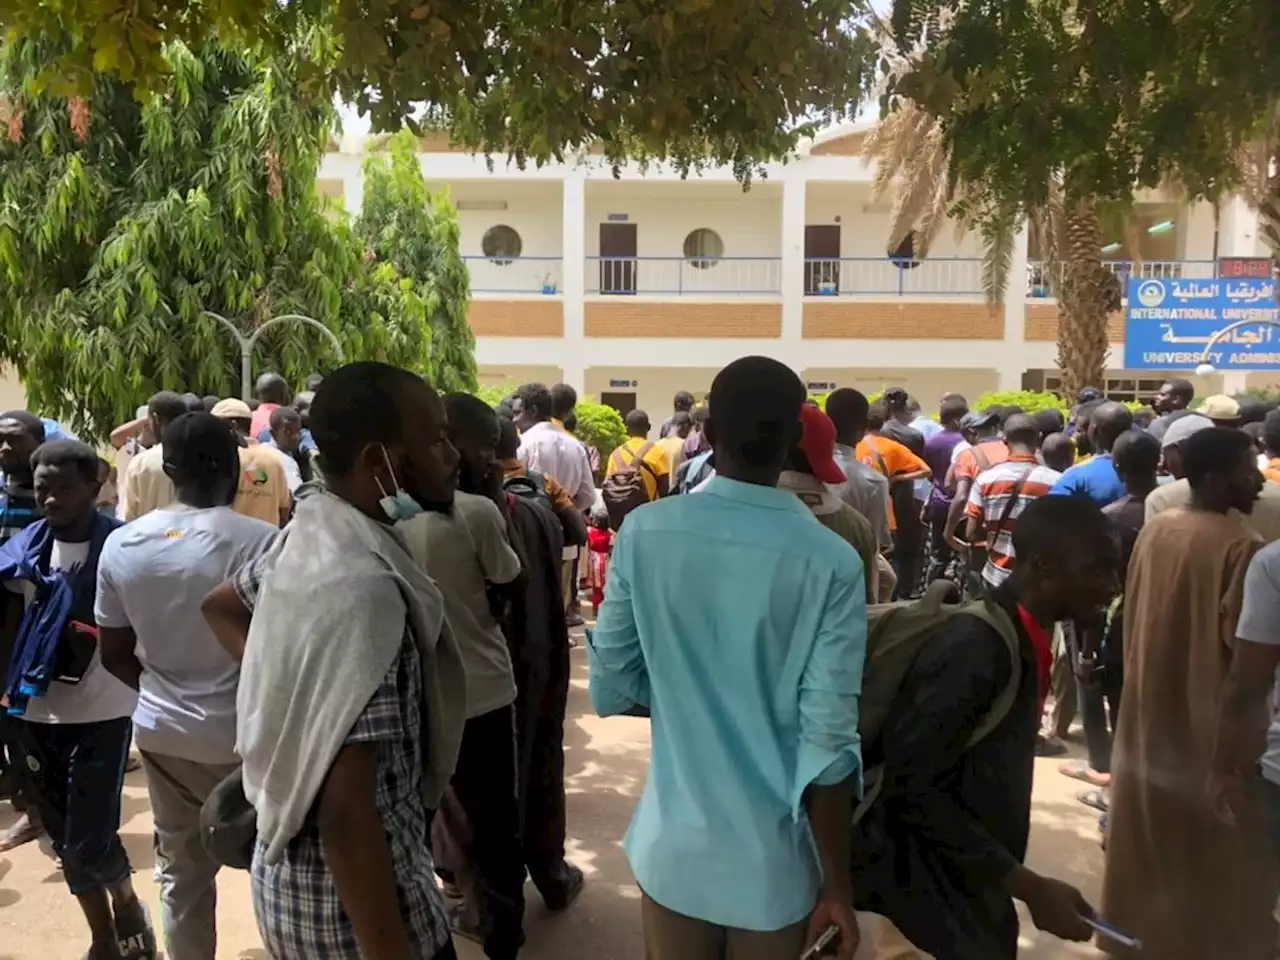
{"points": [[989, 501]]}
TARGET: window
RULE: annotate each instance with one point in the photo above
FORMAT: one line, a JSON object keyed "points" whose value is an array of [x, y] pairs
{"points": [[905, 255], [703, 248], [501, 244]]}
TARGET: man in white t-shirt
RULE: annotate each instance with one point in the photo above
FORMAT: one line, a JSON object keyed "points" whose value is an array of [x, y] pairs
{"points": [[152, 577], [75, 715], [468, 554]]}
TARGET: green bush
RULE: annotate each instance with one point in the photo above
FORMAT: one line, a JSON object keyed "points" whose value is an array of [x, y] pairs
{"points": [[1031, 401]]}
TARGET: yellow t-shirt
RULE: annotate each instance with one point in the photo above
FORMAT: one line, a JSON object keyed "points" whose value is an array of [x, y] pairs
{"points": [[146, 487], [673, 446], [656, 462], [264, 489]]}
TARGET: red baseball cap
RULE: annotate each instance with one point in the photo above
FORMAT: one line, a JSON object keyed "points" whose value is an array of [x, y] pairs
{"points": [[818, 441]]}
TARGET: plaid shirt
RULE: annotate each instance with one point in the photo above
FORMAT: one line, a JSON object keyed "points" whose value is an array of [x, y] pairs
{"points": [[300, 915]]}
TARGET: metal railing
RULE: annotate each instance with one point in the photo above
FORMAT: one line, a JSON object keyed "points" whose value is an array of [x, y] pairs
{"points": [[1038, 284], [684, 277], [515, 274], [888, 277]]}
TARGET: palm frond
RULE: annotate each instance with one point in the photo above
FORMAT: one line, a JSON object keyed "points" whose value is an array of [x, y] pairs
{"points": [[999, 233]]}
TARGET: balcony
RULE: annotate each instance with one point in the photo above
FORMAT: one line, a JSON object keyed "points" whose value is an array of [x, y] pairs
{"points": [[684, 277], [882, 277], [1038, 285], [514, 275]]}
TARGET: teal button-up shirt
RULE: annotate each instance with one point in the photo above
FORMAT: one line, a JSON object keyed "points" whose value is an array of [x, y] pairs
{"points": [[740, 621]]}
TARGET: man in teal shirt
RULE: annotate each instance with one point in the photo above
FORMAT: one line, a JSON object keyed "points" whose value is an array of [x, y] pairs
{"points": [[738, 621]]}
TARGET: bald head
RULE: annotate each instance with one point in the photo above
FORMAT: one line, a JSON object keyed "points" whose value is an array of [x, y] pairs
{"points": [[1022, 431], [1110, 421]]}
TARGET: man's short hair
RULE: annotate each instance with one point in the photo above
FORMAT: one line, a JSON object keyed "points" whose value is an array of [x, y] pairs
{"points": [[360, 404], [470, 416], [876, 416], [282, 417], [1060, 526], [32, 424], [1253, 410], [271, 387], [952, 409], [848, 409], [1271, 431], [895, 398], [1022, 429], [563, 399], [67, 453], [755, 410], [1216, 450], [536, 398], [682, 401], [1184, 389], [199, 447], [638, 423], [167, 406], [1136, 452], [194, 402], [681, 418], [1050, 421]]}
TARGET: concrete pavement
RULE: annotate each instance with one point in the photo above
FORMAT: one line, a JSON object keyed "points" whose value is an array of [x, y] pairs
{"points": [[606, 761]]}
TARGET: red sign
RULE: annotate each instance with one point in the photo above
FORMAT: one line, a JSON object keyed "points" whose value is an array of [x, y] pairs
{"points": [[1240, 267]]}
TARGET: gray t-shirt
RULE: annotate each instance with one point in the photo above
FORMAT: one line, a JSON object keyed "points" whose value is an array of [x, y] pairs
{"points": [[462, 551], [1260, 623], [152, 576]]}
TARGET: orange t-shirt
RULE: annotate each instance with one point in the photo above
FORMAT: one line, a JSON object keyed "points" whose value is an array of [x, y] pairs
{"points": [[891, 459], [1272, 473], [994, 449]]}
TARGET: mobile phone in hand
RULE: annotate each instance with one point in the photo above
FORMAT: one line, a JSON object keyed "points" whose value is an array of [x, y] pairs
{"points": [[825, 946]]}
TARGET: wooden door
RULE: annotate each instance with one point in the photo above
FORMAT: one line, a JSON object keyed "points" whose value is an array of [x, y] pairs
{"points": [[821, 241], [617, 258], [624, 403]]}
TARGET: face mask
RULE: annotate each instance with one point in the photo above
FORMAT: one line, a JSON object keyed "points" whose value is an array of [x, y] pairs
{"points": [[399, 505]]}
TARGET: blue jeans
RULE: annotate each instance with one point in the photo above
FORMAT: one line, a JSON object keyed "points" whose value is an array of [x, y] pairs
{"points": [[76, 775]]}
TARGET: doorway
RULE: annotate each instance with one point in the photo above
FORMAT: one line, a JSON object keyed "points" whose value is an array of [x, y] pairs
{"points": [[624, 403], [618, 258], [821, 259]]}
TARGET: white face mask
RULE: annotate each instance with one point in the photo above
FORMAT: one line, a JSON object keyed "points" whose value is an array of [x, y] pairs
{"points": [[400, 504]]}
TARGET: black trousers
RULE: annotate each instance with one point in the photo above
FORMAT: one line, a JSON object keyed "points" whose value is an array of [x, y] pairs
{"points": [[1099, 704], [76, 778], [484, 783]]}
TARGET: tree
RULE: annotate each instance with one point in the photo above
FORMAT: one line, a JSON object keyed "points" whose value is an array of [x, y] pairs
{"points": [[122, 221], [722, 81], [404, 225], [1080, 103]]}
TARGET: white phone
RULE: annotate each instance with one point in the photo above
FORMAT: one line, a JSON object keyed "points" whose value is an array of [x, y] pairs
{"points": [[1111, 933], [825, 946]]}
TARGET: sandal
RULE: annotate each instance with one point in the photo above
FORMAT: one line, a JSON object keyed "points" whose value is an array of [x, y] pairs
{"points": [[1080, 770], [1094, 798]]}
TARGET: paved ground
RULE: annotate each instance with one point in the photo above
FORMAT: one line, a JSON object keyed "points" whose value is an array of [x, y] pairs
{"points": [[607, 762]]}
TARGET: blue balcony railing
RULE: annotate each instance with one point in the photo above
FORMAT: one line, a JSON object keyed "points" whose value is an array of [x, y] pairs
{"points": [[1039, 281], [684, 276], [514, 274], [889, 277]]}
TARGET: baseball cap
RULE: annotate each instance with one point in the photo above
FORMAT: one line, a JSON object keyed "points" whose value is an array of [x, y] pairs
{"points": [[976, 419], [1220, 407], [818, 441], [1185, 427], [232, 409]]}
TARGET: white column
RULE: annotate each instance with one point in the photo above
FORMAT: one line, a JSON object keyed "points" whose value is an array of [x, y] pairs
{"points": [[573, 250], [1015, 317], [792, 275], [1237, 229]]}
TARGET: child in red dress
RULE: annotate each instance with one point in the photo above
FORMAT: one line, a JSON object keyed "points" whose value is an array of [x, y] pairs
{"points": [[599, 546]]}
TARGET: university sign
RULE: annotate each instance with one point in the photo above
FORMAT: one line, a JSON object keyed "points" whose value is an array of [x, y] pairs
{"points": [[1183, 324]]}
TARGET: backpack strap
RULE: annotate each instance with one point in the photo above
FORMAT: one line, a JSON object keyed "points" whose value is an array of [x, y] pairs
{"points": [[980, 458], [1007, 512], [998, 620]]}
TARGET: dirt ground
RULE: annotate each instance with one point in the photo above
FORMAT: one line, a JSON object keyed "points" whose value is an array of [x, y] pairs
{"points": [[607, 761]]}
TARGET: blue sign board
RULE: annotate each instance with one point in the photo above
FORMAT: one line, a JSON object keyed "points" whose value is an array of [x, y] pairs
{"points": [[1180, 324]]}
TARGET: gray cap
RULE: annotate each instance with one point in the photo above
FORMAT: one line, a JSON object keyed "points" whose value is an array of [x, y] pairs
{"points": [[977, 419], [1185, 427]]}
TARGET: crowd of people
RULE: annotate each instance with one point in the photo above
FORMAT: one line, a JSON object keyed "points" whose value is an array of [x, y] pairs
{"points": [[335, 629]]}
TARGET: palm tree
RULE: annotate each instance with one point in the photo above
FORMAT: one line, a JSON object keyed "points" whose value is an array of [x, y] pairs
{"points": [[913, 167], [1260, 166]]}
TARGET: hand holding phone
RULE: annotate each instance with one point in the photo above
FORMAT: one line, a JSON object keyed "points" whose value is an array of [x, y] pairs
{"points": [[833, 914], [825, 946]]}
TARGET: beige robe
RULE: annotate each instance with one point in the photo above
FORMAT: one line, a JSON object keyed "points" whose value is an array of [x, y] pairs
{"points": [[1187, 885]]}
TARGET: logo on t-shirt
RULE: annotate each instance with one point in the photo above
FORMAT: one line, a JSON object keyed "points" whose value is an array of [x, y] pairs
{"points": [[255, 476]]}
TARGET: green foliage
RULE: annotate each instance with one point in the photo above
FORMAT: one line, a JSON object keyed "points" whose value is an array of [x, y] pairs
{"points": [[404, 225], [494, 396], [1031, 401], [122, 221], [600, 426], [691, 80]]}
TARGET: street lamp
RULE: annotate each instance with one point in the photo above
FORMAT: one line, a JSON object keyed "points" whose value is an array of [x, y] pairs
{"points": [[1205, 368], [247, 344]]}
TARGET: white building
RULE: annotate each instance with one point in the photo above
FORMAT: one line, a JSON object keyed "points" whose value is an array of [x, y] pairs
{"points": [[631, 288]]}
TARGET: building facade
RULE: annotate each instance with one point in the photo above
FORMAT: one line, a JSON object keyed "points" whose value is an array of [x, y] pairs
{"points": [[634, 286]]}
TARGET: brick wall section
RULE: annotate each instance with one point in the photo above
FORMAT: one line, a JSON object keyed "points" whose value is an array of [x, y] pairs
{"points": [[517, 318], [1042, 323], [630, 317], [857, 320]]}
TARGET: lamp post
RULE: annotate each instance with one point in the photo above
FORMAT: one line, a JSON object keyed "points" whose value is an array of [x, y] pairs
{"points": [[247, 344]]}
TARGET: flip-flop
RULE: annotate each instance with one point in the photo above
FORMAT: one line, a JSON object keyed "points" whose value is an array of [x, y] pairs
{"points": [[1080, 770], [1094, 798]]}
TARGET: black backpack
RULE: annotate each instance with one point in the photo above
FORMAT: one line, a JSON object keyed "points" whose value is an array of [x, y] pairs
{"points": [[624, 489], [531, 486]]}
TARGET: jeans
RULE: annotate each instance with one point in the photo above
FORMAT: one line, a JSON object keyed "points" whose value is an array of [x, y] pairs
{"points": [[187, 874], [484, 783], [76, 778]]}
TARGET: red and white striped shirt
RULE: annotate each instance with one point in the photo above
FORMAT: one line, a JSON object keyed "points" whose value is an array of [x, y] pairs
{"points": [[989, 497]]}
